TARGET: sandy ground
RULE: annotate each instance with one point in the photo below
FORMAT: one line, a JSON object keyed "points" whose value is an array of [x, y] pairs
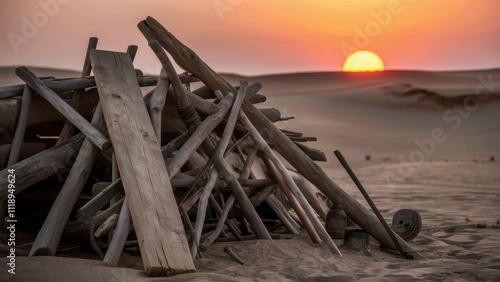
{"points": [[452, 183]]}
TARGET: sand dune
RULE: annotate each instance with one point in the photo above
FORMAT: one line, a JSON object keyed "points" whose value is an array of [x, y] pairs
{"points": [[392, 117]]}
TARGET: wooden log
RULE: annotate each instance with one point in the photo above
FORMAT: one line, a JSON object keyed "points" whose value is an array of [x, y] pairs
{"points": [[91, 132], [42, 165], [261, 196], [48, 237], [68, 127], [202, 209], [282, 214], [218, 154], [42, 112], [107, 226], [145, 179], [306, 222], [155, 105], [66, 84], [27, 150], [195, 140], [123, 228], [230, 224], [307, 189], [100, 200], [15, 150], [206, 93], [314, 154], [184, 106], [191, 62]]}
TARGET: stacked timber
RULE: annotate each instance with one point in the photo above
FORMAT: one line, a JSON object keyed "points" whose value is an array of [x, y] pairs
{"points": [[170, 172]]}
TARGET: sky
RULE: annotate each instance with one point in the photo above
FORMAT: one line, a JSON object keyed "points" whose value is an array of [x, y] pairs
{"points": [[253, 37]]}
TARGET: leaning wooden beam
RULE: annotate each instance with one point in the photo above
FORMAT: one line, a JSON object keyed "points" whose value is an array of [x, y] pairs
{"points": [[90, 131], [155, 105], [195, 140], [17, 141], [48, 237], [99, 201], [307, 189], [184, 107], [191, 62], [282, 214], [41, 166], [83, 82], [314, 154], [15, 150], [202, 209], [120, 236], [281, 174], [150, 197], [306, 222], [68, 127], [217, 154]]}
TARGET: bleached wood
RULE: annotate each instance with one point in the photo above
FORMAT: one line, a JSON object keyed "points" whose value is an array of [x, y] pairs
{"points": [[120, 236], [37, 84], [76, 99], [306, 222], [41, 166], [192, 63], [151, 201], [48, 237]]}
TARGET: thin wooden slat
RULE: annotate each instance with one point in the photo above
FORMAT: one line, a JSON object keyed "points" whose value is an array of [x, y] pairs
{"points": [[151, 201]]}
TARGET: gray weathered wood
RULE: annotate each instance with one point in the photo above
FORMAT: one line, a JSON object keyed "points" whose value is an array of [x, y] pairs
{"points": [[42, 165], [15, 150], [68, 127], [191, 62], [37, 84], [123, 228], [48, 237], [145, 179]]}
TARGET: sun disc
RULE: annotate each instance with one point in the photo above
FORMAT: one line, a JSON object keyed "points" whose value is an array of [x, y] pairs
{"points": [[363, 61]]}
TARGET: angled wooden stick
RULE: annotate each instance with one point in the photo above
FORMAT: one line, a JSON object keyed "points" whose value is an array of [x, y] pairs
{"points": [[293, 201], [68, 127], [191, 62], [90, 131]]}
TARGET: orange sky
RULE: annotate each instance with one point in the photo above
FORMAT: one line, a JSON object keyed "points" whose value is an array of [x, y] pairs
{"points": [[255, 37]]}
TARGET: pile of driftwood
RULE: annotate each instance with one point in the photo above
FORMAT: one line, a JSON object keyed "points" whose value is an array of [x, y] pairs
{"points": [[172, 171]]}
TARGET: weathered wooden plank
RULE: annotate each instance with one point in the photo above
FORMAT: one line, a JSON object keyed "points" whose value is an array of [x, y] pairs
{"points": [[151, 201]]}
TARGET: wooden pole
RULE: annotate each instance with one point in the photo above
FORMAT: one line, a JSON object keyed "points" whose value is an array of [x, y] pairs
{"points": [[123, 228], [15, 149], [145, 179], [41, 166], [68, 127], [191, 62], [48, 237], [195, 140], [37, 84], [293, 201]]}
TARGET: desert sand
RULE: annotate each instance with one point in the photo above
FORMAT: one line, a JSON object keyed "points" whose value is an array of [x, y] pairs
{"points": [[453, 181]]}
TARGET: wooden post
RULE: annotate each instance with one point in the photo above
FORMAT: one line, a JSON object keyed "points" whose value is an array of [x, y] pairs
{"points": [[37, 84], [198, 136], [145, 179], [15, 149], [155, 105], [293, 201], [42, 165], [48, 237], [191, 62], [120, 236], [68, 127], [17, 141]]}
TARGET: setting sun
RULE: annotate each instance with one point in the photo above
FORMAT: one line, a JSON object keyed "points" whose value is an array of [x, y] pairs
{"points": [[363, 61]]}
